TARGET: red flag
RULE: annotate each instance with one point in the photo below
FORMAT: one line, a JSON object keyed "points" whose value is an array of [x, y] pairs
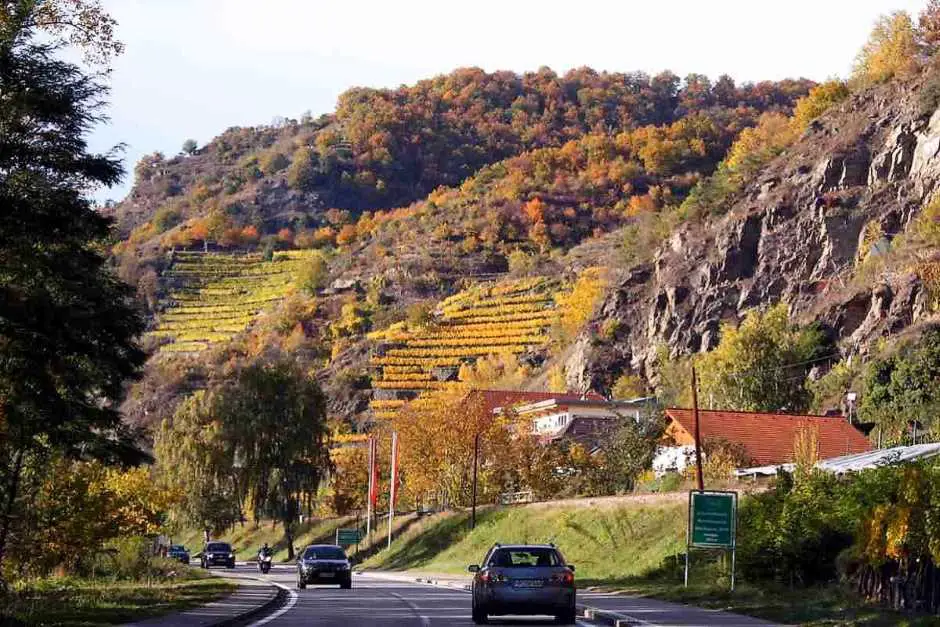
{"points": [[393, 488], [373, 473]]}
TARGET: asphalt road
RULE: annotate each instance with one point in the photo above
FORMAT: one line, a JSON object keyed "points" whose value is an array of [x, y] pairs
{"points": [[373, 601]]}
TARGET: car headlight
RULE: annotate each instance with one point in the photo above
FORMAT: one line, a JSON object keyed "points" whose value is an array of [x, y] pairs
{"points": [[344, 566], [231, 555], [209, 555]]}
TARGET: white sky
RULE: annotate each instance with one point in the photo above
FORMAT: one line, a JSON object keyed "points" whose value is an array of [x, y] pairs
{"points": [[193, 68]]}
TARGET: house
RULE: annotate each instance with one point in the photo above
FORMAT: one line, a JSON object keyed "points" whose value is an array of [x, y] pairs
{"points": [[585, 418], [767, 438]]}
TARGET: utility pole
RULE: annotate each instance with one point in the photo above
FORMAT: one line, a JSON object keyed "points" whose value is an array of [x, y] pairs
{"points": [[698, 434], [476, 455]]}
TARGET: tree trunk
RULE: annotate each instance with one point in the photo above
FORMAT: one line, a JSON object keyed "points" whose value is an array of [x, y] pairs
{"points": [[13, 486], [289, 536], [205, 534]]}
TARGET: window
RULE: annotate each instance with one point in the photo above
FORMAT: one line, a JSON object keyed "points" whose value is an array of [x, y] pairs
{"points": [[218, 547], [525, 558], [324, 553]]}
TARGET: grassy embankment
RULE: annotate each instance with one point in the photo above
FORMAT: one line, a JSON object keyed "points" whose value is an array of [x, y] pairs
{"points": [[631, 545], [72, 602], [248, 538]]}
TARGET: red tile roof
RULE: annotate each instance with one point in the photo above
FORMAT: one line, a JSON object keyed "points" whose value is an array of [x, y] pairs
{"points": [[769, 437], [507, 398]]}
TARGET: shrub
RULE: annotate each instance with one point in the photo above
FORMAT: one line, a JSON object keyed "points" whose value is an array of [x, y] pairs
{"points": [[818, 101], [166, 218], [273, 162]]}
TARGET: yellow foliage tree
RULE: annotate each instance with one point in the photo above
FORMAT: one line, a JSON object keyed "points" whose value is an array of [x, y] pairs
{"points": [[892, 50]]}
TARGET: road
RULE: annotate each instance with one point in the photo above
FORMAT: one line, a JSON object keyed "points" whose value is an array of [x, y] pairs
{"points": [[386, 603], [373, 601]]}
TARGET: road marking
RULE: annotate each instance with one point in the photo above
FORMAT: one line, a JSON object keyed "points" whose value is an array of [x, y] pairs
{"points": [[291, 602], [425, 621]]}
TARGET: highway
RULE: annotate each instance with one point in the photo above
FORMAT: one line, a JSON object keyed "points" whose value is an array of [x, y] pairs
{"points": [[372, 601]]}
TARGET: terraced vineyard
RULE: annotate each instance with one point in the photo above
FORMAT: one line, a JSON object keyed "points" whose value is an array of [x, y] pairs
{"points": [[506, 317], [213, 297]]}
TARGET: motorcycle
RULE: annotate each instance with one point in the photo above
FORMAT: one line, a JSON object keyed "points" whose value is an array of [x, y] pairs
{"points": [[264, 563]]}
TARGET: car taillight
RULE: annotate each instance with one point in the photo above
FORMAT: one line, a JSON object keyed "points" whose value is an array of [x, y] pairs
{"points": [[565, 578], [488, 577]]}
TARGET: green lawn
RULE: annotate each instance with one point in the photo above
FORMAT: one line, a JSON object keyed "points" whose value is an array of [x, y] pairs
{"points": [[589, 537], [74, 602]]}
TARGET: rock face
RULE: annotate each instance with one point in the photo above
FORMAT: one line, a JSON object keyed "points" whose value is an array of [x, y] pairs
{"points": [[793, 236]]}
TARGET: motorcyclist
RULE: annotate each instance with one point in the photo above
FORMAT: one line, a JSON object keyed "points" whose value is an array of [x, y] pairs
{"points": [[263, 564]]}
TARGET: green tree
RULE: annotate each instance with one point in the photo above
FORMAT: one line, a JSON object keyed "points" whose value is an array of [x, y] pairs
{"points": [[630, 450], [195, 460], [314, 274], [303, 169], [903, 388], [761, 365], [190, 146], [67, 324], [274, 418]]}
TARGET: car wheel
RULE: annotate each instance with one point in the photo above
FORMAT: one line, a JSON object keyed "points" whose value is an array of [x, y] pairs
{"points": [[568, 617], [346, 585], [478, 616]]}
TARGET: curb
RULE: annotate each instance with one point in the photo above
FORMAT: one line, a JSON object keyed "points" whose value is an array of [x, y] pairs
{"points": [[273, 600]]}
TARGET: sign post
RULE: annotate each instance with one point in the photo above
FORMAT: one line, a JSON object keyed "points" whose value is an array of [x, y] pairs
{"points": [[712, 524]]}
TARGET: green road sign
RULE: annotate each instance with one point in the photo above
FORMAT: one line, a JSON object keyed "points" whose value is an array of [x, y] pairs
{"points": [[712, 518], [347, 537]]}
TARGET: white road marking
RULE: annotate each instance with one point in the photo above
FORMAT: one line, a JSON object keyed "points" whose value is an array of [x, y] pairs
{"points": [[291, 602]]}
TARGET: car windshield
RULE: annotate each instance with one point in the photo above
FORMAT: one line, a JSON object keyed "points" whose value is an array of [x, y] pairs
{"points": [[177, 547], [324, 553], [525, 558], [219, 547]]}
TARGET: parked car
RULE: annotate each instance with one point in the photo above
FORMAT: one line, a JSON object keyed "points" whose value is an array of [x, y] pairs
{"points": [[217, 554], [178, 552], [323, 563], [523, 579]]}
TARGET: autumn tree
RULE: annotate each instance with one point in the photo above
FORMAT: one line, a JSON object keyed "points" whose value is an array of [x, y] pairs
{"points": [[892, 50], [67, 324], [761, 364]]}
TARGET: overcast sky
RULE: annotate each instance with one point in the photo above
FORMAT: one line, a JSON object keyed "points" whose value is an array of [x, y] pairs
{"points": [[193, 68]]}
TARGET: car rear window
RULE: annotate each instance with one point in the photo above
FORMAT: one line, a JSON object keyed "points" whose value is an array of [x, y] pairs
{"points": [[525, 558], [324, 553], [219, 546]]}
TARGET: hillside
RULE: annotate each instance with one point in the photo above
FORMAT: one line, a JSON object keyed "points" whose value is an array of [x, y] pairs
{"points": [[833, 227]]}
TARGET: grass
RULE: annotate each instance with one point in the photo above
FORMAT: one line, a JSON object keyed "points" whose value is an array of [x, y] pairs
{"points": [[587, 536], [75, 602], [631, 547]]}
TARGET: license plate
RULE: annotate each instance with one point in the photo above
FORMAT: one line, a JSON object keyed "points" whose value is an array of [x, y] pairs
{"points": [[327, 574], [527, 583]]}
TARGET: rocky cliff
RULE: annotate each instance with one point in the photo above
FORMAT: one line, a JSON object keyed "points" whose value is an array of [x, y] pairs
{"points": [[846, 189]]}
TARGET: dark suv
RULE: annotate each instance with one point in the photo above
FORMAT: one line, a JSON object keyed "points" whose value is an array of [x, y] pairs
{"points": [[323, 563], [217, 554], [523, 579]]}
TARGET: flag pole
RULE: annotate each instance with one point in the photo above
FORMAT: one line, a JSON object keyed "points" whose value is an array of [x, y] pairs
{"points": [[393, 485], [371, 488]]}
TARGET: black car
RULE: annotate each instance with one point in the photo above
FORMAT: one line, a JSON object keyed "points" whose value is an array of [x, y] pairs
{"points": [[217, 554], [178, 552], [523, 579], [323, 563]]}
